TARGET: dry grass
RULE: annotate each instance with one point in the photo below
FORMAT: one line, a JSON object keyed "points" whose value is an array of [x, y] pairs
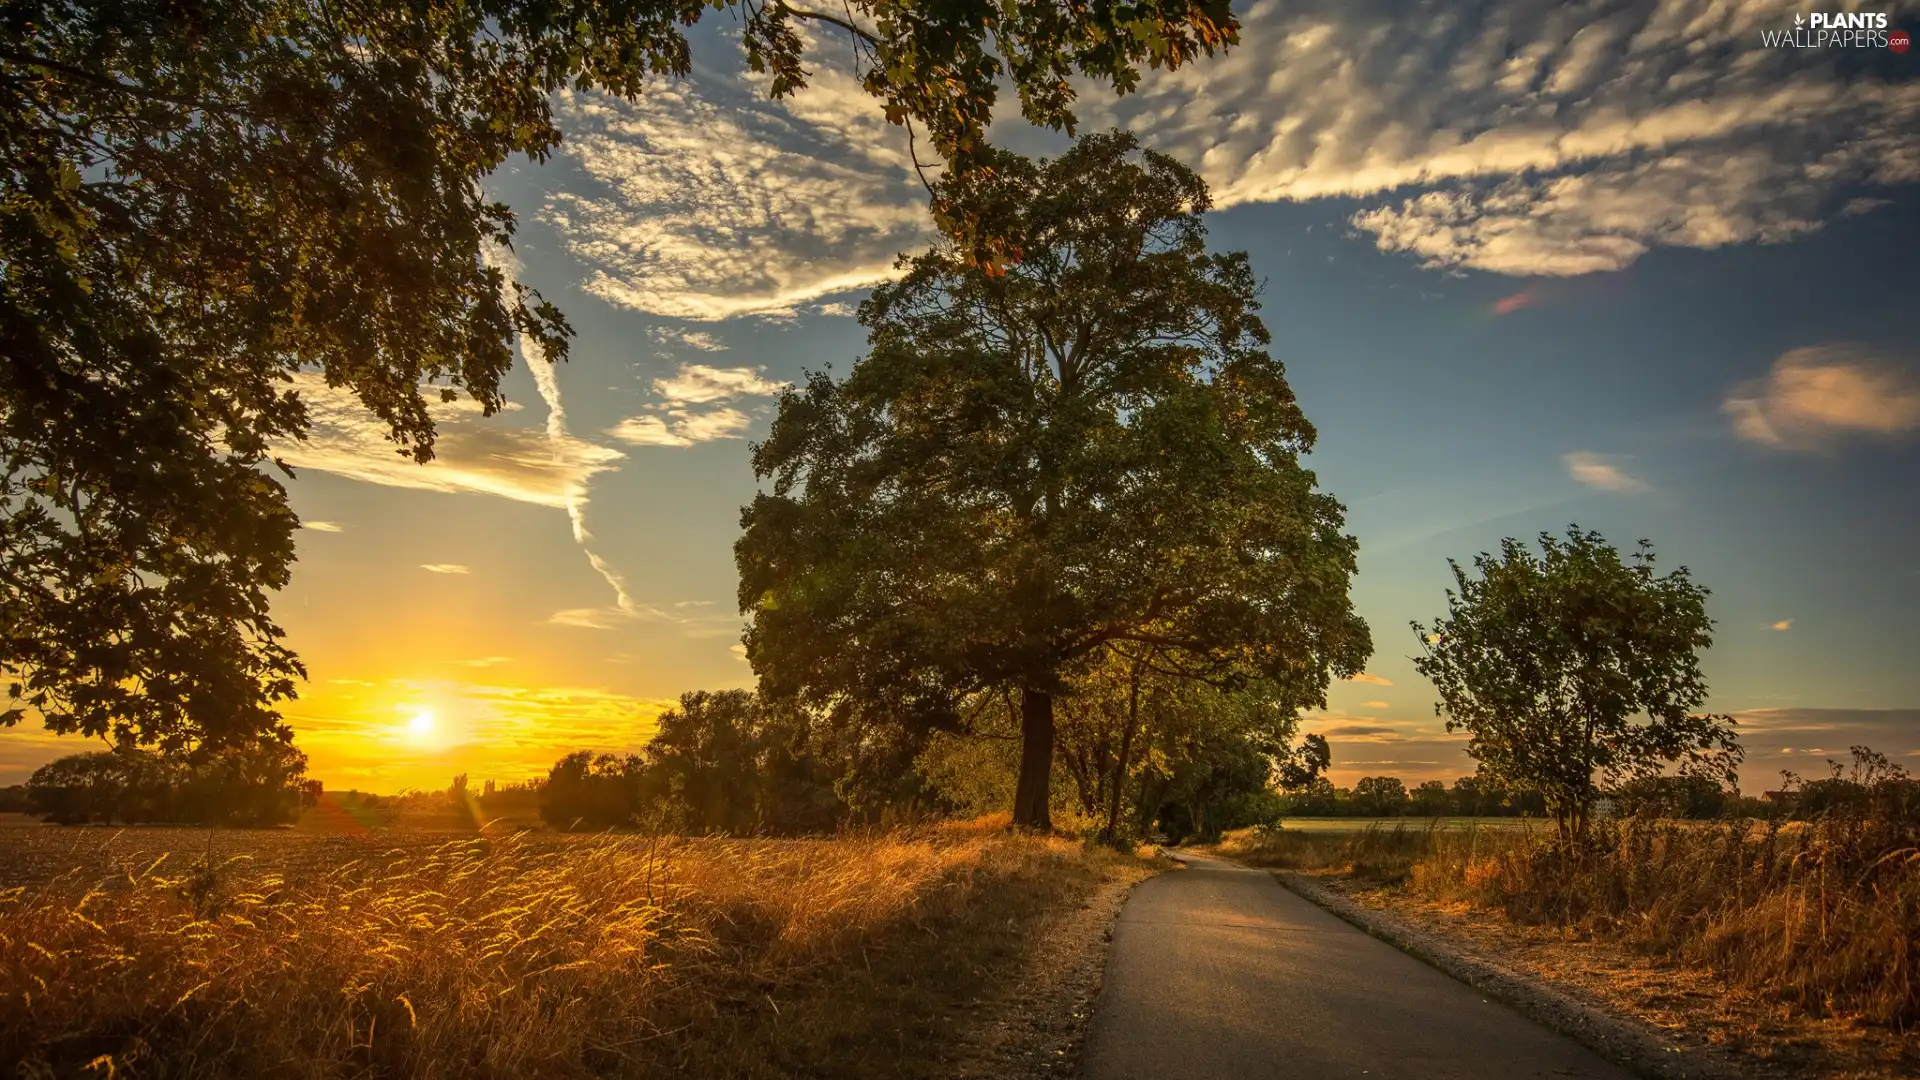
{"points": [[527, 955], [1824, 917]]}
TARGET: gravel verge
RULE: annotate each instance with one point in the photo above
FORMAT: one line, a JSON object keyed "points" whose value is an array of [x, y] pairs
{"points": [[1038, 1026]]}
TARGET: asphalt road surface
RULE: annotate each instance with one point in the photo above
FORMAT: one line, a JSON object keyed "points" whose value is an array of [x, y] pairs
{"points": [[1218, 971]]}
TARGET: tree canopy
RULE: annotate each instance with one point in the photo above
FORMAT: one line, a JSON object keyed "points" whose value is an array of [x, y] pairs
{"points": [[202, 199], [1089, 447], [1573, 664]]}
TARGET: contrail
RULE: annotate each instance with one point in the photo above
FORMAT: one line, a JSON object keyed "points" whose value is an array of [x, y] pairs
{"points": [[547, 381]]}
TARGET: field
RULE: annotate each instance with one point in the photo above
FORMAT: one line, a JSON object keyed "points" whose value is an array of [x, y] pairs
{"points": [[1813, 923], [179, 952], [1362, 824]]}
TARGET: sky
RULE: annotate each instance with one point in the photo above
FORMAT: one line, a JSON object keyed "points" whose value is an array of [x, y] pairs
{"points": [[1528, 264]]}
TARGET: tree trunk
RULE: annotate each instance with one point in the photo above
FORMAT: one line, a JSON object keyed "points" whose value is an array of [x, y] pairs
{"points": [[1031, 796], [1126, 751]]}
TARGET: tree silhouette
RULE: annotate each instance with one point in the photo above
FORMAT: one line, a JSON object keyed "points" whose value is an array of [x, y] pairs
{"points": [[1090, 446], [202, 199]]}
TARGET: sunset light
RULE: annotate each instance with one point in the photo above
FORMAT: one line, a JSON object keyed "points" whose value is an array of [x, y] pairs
{"points": [[423, 727], [903, 537]]}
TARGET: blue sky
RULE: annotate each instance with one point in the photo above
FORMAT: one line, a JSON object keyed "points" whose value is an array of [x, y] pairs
{"points": [[1528, 264]]}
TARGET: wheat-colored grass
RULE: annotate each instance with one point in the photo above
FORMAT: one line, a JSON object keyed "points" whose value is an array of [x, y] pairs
{"points": [[1825, 915], [521, 956]]}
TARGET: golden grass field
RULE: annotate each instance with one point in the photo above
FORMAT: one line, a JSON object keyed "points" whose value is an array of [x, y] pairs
{"points": [[522, 954], [1823, 917]]}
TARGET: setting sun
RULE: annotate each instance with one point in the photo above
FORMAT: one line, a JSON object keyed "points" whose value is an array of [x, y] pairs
{"points": [[422, 727]]}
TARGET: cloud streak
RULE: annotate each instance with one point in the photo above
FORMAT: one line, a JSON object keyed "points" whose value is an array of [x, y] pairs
{"points": [[1534, 138], [1529, 138]]}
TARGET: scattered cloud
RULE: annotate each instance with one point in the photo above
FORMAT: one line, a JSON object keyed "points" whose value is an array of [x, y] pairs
{"points": [[693, 407], [1373, 680], [836, 310], [1783, 625], [1596, 471], [485, 661], [707, 201], [1785, 738], [1531, 138], [1360, 731], [698, 384], [324, 526], [698, 340], [443, 568], [739, 651], [472, 453], [1534, 137], [1373, 705], [1820, 393]]}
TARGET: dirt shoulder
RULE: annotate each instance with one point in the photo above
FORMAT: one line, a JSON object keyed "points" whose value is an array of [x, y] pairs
{"points": [[1037, 1025], [1659, 1019]]}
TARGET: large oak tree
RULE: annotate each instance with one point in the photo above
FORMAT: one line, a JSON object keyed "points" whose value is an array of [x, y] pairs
{"points": [[199, 198], [1090, 446]]}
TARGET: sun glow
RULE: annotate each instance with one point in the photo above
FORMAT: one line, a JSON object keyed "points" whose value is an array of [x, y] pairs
{"points": [[422, 727]]}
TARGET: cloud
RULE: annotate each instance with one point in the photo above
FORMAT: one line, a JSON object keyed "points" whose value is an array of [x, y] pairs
{"points": [[1374, 680], [484, 661], [1507, 305], [1532, 137], [698, 384], [443, 568], [1783, 625], [692, 408], [471, 453], [1596, 471], [698, 340], [707, 201], [323, 526], [1373, 705], [836, 310], [1817, 394], [1360, 730], [1777, 739], [590, 618]]}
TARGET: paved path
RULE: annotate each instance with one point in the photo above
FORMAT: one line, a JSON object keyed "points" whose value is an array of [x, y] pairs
{"points": [[1217, 971]]}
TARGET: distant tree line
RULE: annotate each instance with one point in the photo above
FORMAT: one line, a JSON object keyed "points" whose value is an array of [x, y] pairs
{"points": [[1139, 752], [264, 784]]}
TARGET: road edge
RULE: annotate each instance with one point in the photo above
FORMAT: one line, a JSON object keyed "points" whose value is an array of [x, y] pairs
{"points": [[1037, 1030], [1629, 1043]]}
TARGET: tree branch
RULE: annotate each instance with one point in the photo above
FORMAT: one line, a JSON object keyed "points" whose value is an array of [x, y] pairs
{"points": [[107, 82], [833, 20]]}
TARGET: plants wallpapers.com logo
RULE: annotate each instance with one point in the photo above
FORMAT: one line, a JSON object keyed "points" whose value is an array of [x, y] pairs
{"points": [[1842, 30]]}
